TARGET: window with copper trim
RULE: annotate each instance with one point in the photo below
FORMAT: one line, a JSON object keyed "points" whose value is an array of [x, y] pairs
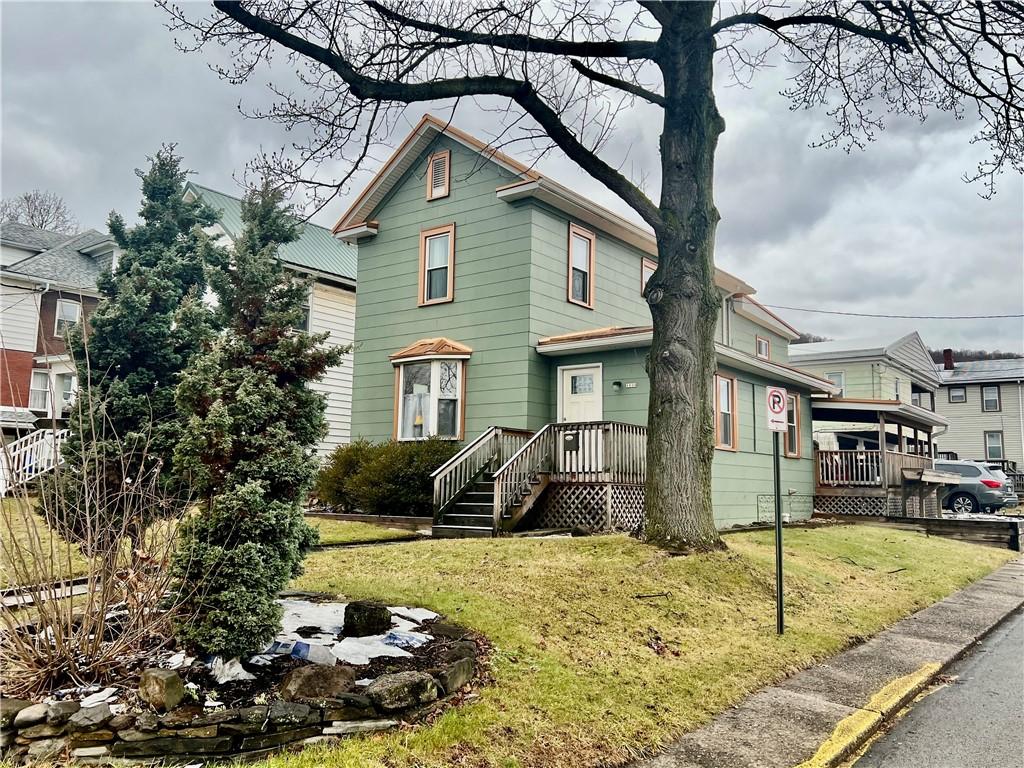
{"points": [[581, 258], [430, 394], [647, 268], [437, 265], [726, 422], [792, 447]]}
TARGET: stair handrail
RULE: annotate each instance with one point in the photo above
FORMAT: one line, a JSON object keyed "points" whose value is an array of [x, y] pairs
{"points": [[512, 478], [457, 474], [30, 456]]}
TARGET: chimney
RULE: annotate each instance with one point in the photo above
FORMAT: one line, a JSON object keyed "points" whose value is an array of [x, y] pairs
{"points": [[947, 359]]}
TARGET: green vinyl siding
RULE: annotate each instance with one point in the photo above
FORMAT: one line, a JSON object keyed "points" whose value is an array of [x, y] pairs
{"points": [[739, 478], [862, 379], [490, 312], [744, 333]]}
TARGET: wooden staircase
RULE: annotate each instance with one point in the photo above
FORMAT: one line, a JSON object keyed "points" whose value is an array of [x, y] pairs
{"points": [[472, 515], [28, 457]]}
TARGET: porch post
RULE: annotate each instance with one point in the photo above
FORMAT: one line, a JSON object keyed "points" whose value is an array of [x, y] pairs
{"points": [[899, 438], [881, 450]]}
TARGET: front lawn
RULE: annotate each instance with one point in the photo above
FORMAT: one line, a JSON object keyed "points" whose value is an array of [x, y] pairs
{"points": [[23, 532], [594, 665], [345, 532]]}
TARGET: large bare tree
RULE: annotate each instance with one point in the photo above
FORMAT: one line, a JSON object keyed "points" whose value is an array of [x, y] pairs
{"points": [[559, 71], [39, 209]]}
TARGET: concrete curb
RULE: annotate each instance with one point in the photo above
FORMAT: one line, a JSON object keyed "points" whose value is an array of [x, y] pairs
{"points": [[819, 717]]}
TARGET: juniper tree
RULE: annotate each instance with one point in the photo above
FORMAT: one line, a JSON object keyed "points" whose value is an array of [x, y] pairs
{"points": [[148, 324], [560, 72], [252, 422]]}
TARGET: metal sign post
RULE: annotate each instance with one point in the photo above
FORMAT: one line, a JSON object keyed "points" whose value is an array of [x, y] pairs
{"points": [[777, 400]]}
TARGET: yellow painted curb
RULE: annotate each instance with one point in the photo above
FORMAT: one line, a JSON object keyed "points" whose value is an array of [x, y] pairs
{"points": [[852, 731]]}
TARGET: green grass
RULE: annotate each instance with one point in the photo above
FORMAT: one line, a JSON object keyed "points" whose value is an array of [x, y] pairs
{"points": [[577, 679], [23, 532], [339, 532]]}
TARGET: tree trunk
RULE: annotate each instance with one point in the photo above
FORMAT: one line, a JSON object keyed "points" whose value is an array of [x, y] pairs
{"points": [[682, 295]]}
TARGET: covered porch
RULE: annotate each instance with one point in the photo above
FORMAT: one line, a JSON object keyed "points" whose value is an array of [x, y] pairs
{"points": [[876, 457]]}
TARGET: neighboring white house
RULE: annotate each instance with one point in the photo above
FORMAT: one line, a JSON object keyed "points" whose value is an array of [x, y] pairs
{"points": [[332, 301], [984, 403]]}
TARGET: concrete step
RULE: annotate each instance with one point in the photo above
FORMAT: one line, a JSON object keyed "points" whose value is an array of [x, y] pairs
{"points": [[460, 532]]}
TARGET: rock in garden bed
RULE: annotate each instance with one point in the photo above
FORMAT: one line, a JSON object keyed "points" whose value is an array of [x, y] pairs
{"points": [[332, 672]]}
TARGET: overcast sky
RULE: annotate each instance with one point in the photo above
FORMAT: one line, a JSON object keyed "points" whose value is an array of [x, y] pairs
{"points": [[89, 90]]}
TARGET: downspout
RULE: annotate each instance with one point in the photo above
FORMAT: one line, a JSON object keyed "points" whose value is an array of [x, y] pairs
{"points": [[1020, 415]]}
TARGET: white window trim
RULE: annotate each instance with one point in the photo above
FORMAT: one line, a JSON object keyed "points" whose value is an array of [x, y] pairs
{"points": [[44, 372], [842, 378], [949, 395], [757, 347], [435, 391], [599, 385], [56, 314]]}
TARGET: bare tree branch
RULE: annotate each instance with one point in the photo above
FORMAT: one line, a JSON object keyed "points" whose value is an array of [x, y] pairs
{"points": [[614, 82]]}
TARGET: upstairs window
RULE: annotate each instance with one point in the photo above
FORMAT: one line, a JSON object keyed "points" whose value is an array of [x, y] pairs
{"points": [[839, 379], [957, 394], [581, 266], [725, 412], [438, 175], [915, 399], [990, 398], [68, 315], [646, 273], [763, 347], [430, 399], [437, 265]]}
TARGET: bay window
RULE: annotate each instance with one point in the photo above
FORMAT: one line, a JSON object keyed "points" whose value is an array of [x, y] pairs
{"points": [[430, 396]]}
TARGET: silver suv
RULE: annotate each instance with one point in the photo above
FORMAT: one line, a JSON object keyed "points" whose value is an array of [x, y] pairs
{"points": [[982, 488]]}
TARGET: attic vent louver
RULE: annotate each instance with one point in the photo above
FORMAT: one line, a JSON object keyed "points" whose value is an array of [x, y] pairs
{"points": [[438, 174]]}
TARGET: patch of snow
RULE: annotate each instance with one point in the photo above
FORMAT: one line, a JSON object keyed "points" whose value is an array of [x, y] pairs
{"points": [[98, 698], [419, 615], [359, 650], [229, 671]]}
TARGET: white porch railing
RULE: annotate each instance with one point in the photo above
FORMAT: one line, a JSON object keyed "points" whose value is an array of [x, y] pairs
{"points": [[491, 448], [30, 456]]}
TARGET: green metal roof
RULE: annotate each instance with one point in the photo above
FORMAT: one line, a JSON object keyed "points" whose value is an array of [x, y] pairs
{"points": [[316, 249]]}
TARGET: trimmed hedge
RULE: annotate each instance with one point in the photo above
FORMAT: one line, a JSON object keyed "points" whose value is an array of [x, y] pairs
{"points": [[389, 478]]}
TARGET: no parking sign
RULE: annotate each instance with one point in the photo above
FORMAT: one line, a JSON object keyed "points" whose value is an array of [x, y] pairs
{"points": [[776, 399]]}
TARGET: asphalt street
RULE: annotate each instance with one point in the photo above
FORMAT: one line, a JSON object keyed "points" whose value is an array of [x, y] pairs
{"points": [[975, 722]]}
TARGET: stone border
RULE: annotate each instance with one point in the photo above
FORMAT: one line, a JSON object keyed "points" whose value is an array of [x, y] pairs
{"points": [[64, 729]]}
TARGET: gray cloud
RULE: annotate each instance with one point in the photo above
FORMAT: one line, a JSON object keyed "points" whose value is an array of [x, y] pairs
{"points": [[90, 89]]}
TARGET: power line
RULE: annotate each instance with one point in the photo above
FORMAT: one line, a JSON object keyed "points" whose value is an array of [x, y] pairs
{"points": [[895, 317]]}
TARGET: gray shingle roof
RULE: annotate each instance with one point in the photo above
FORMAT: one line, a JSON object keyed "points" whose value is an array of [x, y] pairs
{"points": [[983, 370], [37, 239], [65, 263], [316, 249]]}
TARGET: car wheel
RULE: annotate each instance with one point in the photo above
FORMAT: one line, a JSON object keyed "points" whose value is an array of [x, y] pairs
{"points": [[963, 504]]}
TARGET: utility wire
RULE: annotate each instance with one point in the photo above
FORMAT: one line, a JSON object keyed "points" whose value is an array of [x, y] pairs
{"points": [[895, 317]]}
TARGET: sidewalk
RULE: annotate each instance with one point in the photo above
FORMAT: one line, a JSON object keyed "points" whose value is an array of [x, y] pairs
{"points": [[819, 716]]}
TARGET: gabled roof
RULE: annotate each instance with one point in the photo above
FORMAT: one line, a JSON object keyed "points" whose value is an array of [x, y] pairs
{"points": [[983, 370], [908, 351], [30, 238], [439, 347], [74, 261], [316, 250], [354, 222]]}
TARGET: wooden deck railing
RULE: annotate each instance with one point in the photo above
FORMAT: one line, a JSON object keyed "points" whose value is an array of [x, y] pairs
{"points": [[490, 449], [842, 469], [581, 452]]}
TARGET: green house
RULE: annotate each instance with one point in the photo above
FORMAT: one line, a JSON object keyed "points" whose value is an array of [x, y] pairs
{"points": [[503, 310]]}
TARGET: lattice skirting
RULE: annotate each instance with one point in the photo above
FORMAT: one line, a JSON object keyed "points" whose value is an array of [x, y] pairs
{"points": [[599, 507], [891, 505]]}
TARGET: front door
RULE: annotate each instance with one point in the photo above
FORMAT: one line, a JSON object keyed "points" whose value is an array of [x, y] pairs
{"points": [[580, 401], [580, 393]]}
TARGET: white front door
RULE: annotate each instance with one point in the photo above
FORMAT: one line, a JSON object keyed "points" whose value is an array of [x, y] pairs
{"points": [[580, 393]]}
